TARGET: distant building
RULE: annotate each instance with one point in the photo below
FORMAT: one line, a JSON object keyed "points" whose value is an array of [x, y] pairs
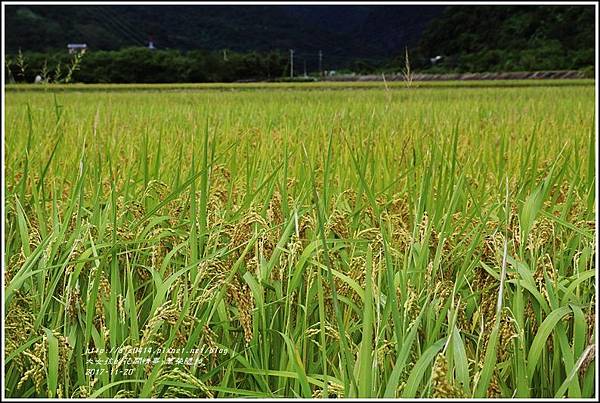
{"points": [[76, 47], [436, 59], [151, 42]]}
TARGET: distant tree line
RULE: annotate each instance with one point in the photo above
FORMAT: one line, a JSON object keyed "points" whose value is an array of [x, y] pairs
{"points": [[143, 65]]}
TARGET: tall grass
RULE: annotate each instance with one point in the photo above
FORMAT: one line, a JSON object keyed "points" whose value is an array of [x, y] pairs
{"points": [[426, 243]]}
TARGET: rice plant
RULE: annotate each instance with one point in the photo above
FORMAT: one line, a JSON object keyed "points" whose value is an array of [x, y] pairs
{"points": [[215, 242]]}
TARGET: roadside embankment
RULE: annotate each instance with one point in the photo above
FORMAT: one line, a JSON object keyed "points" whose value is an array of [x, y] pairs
{"points": [[519, 75]]}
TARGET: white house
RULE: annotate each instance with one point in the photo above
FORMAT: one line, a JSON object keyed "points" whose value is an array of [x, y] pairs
{"points": [[77, 47]]}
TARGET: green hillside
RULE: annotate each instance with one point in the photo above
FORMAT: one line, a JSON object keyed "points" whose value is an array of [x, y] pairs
{"points": [[511, 38]]}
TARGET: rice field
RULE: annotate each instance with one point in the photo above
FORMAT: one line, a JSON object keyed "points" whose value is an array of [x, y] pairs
{"points": [[277, 242]]}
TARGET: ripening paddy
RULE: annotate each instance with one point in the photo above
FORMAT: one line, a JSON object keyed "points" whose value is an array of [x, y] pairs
{"points": [[300, 240]]}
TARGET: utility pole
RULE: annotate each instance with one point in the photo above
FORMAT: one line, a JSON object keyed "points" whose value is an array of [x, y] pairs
{"points": [[225, 54], [305, 69], [291, 63], [320, 62]]}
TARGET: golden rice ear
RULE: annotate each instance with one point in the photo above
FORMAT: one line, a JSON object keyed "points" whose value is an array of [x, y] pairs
{"points": [[18, 326], [494, 390], [506, 333], [73, 303], [590, 357], [338, 224], [441, 387], [38, 359], [242, 296], [274, 212]]}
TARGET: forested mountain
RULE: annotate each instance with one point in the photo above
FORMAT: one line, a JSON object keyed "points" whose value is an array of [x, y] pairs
{"points": [[343, 33], [228, 43], [510, 38]]}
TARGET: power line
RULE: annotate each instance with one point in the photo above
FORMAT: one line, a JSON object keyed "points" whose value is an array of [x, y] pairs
{"points": [[110, 22], [107, 22], [125, 26]]}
